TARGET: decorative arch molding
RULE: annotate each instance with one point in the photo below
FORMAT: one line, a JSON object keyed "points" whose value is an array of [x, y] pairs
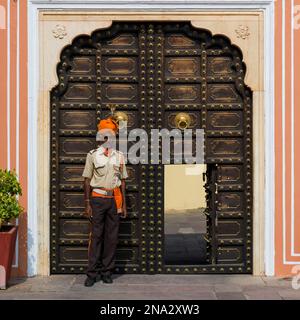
{"points": [[216, 41], [38, 137]]}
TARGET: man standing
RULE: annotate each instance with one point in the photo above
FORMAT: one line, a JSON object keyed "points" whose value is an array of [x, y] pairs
{"points": [[104, 193]]}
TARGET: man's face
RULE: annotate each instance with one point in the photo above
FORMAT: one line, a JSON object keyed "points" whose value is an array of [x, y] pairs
{"points": [[107, 138]]}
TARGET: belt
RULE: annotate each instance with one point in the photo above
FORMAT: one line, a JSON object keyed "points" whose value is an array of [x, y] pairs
{"points": [[104, 192]]}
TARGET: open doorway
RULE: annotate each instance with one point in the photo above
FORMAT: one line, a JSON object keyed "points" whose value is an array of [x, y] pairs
{"points": [[185, 218]]}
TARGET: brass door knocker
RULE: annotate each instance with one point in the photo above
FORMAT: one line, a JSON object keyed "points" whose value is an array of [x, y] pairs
{"points": [[120, 117], [183, 120]]}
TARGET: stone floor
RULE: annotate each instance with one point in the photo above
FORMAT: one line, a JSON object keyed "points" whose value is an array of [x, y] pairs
{"points": [[185, 249], [150, 287], [184, 242]]}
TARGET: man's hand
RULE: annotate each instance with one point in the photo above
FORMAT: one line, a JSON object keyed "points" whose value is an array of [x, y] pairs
{"points": [[124, 207], [88, 209], [124, 211]]}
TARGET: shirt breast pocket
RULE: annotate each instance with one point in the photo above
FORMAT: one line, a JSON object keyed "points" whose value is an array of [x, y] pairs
{"points": [[100, 170], [116, 168]]}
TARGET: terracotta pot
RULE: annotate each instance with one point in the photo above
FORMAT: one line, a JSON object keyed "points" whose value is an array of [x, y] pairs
{"points": [[8, 236]]}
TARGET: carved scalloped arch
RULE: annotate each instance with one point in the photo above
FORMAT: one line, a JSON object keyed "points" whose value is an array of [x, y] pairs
{"points": [[218, 41]]}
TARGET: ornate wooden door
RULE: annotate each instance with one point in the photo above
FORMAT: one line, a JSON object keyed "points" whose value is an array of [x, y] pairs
{"points": [[153, 71]]}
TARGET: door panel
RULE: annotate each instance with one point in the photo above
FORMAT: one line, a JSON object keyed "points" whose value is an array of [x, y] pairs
{"points": [[153, 71]]}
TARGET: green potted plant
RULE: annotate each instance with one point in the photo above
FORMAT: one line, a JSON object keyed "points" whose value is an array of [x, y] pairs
{"points": [[10, 209]]}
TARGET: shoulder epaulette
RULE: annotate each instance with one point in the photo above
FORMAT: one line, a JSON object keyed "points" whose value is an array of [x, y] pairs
{"points": [[119, 152], [92, 151]]}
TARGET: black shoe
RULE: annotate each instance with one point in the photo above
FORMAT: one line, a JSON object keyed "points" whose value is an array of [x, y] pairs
{"points": [[89, 282], [107, 278]]}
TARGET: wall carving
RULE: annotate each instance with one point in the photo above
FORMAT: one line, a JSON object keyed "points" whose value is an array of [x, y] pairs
{"points": [[59, 32], [242, 32]]}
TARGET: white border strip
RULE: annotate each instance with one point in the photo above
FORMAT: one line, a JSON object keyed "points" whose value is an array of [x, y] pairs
{"points": [[8, 86], [284, 213], [269, 76], [33, 64], [34, 6], [152, 4], [293, 253], [292, 135], [18, 93], [283, 130], [17, 117]]}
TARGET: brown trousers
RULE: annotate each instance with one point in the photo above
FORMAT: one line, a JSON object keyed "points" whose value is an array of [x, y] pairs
{"points": [[103, 237]]}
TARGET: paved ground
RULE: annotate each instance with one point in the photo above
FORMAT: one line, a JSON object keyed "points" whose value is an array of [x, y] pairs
{"points": [[184, 242], [185, 249], [150, 287]]}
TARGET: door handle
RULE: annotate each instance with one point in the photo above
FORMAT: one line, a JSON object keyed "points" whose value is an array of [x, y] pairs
{"points": [[182, 120], [216, 188], [206, 239]]}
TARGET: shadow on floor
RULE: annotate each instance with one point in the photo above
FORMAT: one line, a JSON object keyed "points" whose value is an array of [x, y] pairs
{"points": [[185, 249]]}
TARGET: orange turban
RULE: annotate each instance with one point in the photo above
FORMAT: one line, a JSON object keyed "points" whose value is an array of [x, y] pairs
{"points": [[108, 123]]}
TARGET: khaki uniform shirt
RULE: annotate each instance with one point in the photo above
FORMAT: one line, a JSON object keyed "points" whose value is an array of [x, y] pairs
{"points": [[105, 171]]}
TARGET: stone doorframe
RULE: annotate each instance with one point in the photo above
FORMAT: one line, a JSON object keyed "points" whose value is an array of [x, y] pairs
{"points": [[251, 27]]}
